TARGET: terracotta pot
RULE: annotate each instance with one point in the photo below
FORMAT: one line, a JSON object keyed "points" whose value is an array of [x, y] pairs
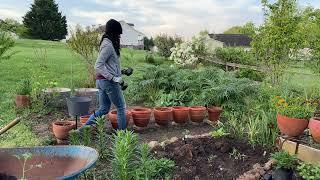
{"points": [[84, 119], [314, 126], [162, 115], [141, 116], [214, 113], [61, 128], [23, 101], [180, 114], [113, 117], [197, 113], [291, 126]]}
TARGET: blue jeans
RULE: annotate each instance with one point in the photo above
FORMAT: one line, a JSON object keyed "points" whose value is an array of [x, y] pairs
{"points": [[110, 92]]}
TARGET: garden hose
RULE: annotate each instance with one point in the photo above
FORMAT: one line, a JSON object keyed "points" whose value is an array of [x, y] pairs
{"points": [[9, 126]]}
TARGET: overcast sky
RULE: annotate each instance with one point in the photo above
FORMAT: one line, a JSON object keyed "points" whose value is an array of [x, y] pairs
{"points": [[182, 17]]}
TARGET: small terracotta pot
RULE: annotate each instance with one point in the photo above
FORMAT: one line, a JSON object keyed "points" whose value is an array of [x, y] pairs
{"points": [[291, 126], [61, 128], [113, 117], [84, 119], [314, 126], [141, 116], [214, 113], [180, 114], [162, 115], [197, 113], [23, 101]]}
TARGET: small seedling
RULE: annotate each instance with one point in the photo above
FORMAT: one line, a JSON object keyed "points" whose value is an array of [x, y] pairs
{"points": [[218, 133], [102, 138], [23, 160], [87, 135], [235, 154], [75, 138]]}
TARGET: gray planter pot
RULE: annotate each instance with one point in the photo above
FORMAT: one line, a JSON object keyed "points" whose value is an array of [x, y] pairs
{"points": [[56, 97], [91, 93], [78, 106]]}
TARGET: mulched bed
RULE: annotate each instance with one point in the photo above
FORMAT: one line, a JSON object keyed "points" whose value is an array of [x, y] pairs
{"points": [[208, 158]]}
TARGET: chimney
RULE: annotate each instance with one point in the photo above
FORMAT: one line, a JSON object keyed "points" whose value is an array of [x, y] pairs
{"points": [[131, 24]]}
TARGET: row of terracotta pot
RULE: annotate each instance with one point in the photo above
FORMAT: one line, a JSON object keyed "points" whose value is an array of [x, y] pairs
{"points": [[295, 127], [163, 115]]}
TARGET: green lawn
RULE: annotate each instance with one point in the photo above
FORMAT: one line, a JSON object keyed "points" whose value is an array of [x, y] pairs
{"points": [[61, 65]]}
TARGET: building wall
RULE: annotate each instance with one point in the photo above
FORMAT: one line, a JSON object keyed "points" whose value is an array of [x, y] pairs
{"points": [[130, 37]]}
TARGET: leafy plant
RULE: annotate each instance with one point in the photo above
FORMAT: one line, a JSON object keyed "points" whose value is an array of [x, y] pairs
{"points": [[284, 160], [236, 154], [236, 55], [251, 74], [294, 107], [85, 42], [6, 44], [218, 133], [309, 171], [102, 137], [23, 158], [75, 138], [87, 135], [164, 43], [24, 87]]}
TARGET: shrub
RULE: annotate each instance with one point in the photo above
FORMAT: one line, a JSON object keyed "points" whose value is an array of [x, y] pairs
{"points": [[164, 43], [309, 171], [190, 53], [6, 43], [284, 160], [251, 74], [235, 55]]}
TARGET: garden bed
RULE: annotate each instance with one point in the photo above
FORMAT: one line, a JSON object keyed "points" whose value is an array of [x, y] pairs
{"points": [[207, 158]]}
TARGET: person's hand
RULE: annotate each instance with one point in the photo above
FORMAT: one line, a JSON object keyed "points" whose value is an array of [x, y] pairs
{"points": [[117, 80]]}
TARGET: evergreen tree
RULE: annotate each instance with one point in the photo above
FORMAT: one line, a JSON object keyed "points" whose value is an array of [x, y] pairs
{"points": [[44, 21]]}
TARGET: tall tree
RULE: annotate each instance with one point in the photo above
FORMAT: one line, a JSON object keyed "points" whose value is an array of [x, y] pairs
{"points": [[248, 29], [44, 21]]}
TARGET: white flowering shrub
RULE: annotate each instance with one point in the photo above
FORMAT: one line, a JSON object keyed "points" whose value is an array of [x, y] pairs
{"points": [[191, 53]]}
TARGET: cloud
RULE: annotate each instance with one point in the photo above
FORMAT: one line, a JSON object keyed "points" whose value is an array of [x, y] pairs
{"points": [[11, 13]]}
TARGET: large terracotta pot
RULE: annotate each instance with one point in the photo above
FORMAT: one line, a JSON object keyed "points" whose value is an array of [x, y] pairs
{"points": [[141, 116], [162, 115], [197, 113], [314, 126], [84, 119], [23, 101], [61, 128], [113, 117], [214, 113], [291, 126], [180, 114]]}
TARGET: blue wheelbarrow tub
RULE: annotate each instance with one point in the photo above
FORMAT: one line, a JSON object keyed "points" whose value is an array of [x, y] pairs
{"points": [[58, 162]]}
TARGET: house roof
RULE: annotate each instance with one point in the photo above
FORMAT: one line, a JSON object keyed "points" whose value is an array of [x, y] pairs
{"points": [[123, 23], [232, 39]]}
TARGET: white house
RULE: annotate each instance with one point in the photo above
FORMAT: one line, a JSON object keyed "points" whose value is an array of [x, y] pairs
{"points": [[130, 36]]}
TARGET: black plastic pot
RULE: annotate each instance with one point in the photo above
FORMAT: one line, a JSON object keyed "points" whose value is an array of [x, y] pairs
{"points": [[78, 106], [283, 174]]}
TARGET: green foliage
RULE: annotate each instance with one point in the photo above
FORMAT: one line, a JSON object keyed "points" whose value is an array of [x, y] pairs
{"points": [[85, 42], [309, 171], [6, 44], [86, 135], [23, 158], [102, 137], [75, 138], [218, 133], [236, 55], [251, 74], [164, 43], [248, 29], [284, 160], [295, 107], [44, 21], [236, 154], [278, 38], [150, 59], [148, 43], [24, 87]]}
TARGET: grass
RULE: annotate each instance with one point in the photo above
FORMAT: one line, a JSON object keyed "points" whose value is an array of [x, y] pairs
{"points": [[60, 65]]}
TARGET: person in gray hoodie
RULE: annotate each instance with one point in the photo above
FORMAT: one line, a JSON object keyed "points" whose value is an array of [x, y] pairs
{"points": [[108, 75]]}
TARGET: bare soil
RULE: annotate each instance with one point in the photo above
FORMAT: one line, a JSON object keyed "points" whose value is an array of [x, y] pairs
{"points": [[207, 158]]}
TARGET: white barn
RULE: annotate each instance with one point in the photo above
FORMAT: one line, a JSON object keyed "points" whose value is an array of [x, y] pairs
{"points": [[131, 37]]}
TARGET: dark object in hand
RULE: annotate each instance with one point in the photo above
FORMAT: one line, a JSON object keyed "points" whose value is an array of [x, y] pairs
{"points": [[127, 71], [123, 85]]}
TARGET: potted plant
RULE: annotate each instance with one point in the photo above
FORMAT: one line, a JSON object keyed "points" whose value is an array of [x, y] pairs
{"points": [[293, 115], [285, 163], [113, 117], [214, 113], [197, 113], [180, 114], [162, 115], [23, 93], [61, 129], [141, 116], [314, 126]]}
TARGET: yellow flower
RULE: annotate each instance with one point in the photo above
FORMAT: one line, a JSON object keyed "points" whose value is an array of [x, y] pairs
{"points": [[285, 104], [281, 101]]}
